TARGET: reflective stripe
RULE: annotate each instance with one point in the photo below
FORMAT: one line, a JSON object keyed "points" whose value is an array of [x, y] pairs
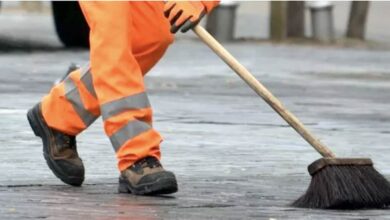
{"points": [[73, 96], [127, 132], [86, 78], [137, 101]]}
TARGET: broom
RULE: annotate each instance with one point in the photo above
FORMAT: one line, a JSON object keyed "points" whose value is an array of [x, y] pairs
{"points": [[337, 183]]}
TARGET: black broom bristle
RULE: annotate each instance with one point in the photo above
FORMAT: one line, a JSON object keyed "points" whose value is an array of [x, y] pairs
{"points": [[346, 187]]}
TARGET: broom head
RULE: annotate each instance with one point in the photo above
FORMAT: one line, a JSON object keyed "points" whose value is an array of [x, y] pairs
{"points": [[345, 183]]}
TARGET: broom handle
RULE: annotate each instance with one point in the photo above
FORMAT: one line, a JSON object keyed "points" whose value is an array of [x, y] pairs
{"points": [[262, 91]]}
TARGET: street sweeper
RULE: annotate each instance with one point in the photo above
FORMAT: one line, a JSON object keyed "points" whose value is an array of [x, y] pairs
{"points": [[126, 40]]}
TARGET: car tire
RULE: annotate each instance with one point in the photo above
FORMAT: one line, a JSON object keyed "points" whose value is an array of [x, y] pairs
{"points": [[70, 24]]}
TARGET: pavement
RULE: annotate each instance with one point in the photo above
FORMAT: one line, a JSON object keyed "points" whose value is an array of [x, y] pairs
{"points": [[233, 156]]}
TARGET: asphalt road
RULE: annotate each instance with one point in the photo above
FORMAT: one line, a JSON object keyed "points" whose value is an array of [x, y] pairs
{"points": [[233, 156]]}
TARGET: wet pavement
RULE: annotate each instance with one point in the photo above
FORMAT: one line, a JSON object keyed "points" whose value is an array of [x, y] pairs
{"points": [[233, 156]]}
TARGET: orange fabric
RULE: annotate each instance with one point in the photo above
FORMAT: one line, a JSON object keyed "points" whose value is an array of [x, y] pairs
{"points": [[150, 141], [90, 102], [210, 5], [126, 40], [59, 113]]}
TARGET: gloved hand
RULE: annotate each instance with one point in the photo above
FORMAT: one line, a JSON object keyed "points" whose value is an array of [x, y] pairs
{"points": [[184, 15]]}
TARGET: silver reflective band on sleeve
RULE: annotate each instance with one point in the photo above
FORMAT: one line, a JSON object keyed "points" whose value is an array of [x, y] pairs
{"points": [[86, 78], [73, 96], [137, 101], [127, 132]]}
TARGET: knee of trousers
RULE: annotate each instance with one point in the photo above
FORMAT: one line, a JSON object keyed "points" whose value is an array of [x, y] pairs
{"points": [[165, 40], [152, 49], [153, 43]]}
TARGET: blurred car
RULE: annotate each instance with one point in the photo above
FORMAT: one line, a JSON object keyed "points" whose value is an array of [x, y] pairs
{"points": [[70, 24]]}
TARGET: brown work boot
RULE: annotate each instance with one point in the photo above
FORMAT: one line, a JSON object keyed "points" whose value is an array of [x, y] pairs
{"points": [[147, 177], [59, 149]]}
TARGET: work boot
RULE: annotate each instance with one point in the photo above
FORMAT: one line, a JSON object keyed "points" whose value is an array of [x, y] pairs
{"points": [[59, 149], [147, 177]]}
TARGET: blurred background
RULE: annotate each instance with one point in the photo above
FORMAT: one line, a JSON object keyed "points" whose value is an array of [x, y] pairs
{"points": [[56, 24]]}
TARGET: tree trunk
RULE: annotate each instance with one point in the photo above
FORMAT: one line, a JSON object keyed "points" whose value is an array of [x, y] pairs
{"points": [[296, 19], [278, 20], [358, 19]]}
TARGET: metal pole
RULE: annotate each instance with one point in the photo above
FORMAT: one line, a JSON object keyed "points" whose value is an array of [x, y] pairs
{"points": [[322, 20]]}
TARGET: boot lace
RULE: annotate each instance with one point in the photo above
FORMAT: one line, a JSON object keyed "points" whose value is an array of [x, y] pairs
{"points": [[66, 141], [150, 162]]}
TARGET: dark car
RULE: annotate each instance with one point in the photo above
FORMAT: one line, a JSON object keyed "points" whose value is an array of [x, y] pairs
{"points": [[70, 24]]}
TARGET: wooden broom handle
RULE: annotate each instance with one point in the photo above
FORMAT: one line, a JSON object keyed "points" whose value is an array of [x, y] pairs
{"points": [[262, 91]]}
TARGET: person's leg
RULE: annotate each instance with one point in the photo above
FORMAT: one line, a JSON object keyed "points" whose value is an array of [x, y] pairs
{"points": [[124, 105], [149, 43], [75, 99], [71, 106], [153, 36], [68, 109], [118, 82]]}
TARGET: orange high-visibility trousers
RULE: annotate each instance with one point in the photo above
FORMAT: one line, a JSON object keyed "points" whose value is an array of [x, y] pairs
{"points": [[126, 41]]}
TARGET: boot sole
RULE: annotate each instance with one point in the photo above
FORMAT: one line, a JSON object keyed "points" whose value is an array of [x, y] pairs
{"points": [[38, 128], [162, 185]]}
